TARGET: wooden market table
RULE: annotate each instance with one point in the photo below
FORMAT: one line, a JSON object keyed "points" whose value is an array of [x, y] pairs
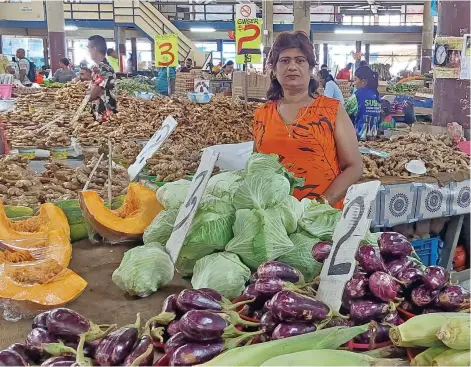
{"points": [[101, 301]]}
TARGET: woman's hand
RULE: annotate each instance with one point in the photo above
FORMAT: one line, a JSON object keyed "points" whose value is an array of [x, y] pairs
{"points": [[348, 155]]}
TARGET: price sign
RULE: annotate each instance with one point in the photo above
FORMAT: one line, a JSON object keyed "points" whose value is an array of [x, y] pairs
{"points": [[166, 50], [192, 201], [350, 230], [248, 35], [151, 147], [201, 86]]}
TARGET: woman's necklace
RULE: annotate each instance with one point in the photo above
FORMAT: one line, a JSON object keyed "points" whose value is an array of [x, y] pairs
{"points": [[293, 123]]}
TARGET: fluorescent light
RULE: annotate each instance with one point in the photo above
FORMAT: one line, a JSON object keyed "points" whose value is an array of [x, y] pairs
{"points": [[70, 28], [202, 30], [348, 31]]}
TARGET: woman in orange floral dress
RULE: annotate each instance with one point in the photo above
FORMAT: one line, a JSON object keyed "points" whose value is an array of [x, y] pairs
{"points": [[313, 136]]}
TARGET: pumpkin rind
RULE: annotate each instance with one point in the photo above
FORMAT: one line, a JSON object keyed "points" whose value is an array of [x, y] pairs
{"points": [[126, 223]]}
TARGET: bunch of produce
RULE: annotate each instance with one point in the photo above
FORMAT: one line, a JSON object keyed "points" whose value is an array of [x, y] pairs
{"points": [[56, 137], [446, 337], [125, 153], [71, 95], [437, 152], [402, 88], [131, 86]]}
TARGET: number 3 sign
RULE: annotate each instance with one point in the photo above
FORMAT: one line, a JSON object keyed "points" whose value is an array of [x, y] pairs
{"points": [[166, 50]]}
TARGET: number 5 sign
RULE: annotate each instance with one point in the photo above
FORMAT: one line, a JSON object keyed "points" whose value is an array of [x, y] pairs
{"points": [[248, 36], [166, 50]]}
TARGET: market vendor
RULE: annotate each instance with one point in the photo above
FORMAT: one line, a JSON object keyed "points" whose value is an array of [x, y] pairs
{"points": [[364, 105], [85, 75], [313, 136], [331, 89], [63, 74], [227, 69], [102, 93], [344, 74]]}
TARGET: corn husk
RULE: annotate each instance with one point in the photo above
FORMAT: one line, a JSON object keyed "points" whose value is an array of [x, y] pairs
{"points": [[421, 330], [426, 357], [453, 357], [456, 333]]}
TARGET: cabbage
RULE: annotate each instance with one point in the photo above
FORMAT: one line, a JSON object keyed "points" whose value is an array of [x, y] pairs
{"points": [[301, 256], [291, 210], [260, 191], [143, 270], [224, 184], [210, 231], [371, 238], [173, 194], [319, 219], [223, 272], [161, 227], [259, 236]]}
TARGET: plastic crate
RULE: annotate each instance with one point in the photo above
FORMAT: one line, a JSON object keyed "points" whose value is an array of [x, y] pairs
{"points": [[427, 250], [5, 90]]}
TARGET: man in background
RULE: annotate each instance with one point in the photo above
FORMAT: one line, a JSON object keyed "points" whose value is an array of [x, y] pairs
{"points": [[188, 66], [85, 75], [102, 93], [113, 59], [24, 69]]}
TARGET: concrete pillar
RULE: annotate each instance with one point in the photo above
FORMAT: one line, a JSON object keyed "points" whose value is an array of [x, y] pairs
{"points": [[419, 55], [120, 40], [134, 54], [357, 49], [56, 32], [317, 52], [427, 38], [267, 18], [367, 53], [451, 96], [46, 52], [326, 54], [302, 16]]}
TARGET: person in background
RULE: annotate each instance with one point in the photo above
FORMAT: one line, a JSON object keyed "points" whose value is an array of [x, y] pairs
{"points": [[83, 64], [102, 93], [387, 120], [24, 69], [113, 59], [331, 89], [180, 66], [63, 74], [324, 67], [188, 66], [364, 105], [344, 74], [312, 135], [363, 63], [162, 81], [227, 69], [85, 75]]}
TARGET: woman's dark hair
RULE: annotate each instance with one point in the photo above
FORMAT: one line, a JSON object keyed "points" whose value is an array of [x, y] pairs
{"points": [[99, 43], [371, 77], [326, 76], [64, 61], [363, 63], [229, 63], [285, 41]]}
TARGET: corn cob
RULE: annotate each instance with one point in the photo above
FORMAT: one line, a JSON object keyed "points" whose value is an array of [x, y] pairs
{"points": [[453, 357], [455, 333], [426, 357]]}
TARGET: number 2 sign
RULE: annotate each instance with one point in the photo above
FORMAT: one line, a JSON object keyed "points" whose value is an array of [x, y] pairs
{"points": [[248, 36], [166, 50]]}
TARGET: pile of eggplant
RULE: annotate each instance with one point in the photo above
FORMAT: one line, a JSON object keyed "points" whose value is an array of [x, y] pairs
{"points": [[393, 278]]}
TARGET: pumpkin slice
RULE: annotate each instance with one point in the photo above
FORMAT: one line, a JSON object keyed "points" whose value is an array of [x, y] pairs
{"points": [[126, 223], [42, 282]]}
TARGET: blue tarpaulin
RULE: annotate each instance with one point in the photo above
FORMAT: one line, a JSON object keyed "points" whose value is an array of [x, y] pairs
{"points": [[434, 6]]}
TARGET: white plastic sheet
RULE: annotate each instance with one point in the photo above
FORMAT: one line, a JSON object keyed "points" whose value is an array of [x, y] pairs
{"points": [[233, 157]]}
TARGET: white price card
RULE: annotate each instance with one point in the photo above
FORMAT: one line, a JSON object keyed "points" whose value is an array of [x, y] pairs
{"points": [[191, 203], [354, 223], [152, 146]]}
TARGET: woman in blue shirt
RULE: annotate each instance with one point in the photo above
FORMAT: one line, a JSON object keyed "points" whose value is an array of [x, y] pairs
{"points": [[364, 106], [162, 80], [331, 89]]}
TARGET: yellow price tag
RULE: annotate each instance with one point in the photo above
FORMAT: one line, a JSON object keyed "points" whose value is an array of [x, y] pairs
{"points": [[166, 50], [248, 35]]}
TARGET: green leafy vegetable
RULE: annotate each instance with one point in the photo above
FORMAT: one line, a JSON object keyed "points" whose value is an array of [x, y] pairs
{"points": [[143, 270], [259, 236], [224, 184], [319, 219], [291, 210], [173, 194], [161, 227], [222, 271]]}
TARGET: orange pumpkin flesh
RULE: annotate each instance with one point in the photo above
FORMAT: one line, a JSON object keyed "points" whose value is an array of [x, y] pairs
{"points": [[126, 223]]}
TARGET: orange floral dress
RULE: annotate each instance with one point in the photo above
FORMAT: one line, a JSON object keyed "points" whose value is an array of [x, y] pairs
{"points": [[306, 148]]}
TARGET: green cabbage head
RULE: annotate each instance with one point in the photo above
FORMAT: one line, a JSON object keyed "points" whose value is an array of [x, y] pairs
{"points": [[173, 194], [161, 227]]}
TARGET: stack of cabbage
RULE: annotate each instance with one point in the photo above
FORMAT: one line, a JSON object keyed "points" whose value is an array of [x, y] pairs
{"points": [[244, 219]]}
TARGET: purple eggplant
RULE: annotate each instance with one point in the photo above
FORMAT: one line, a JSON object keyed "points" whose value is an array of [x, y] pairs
{"points": [[63, 321], [394, 244], [269, 286], [175, 342], [410, 277], [393, 318], [193, 299], [369, 259], [170, 304], [279, 270], [258, 314], [268, 322], [356, 287], [258, 300], [173, 328], [28, 355], [142, 353], [40, 320], [291, 306], [213, 293], [376, 333], [435, 277], [383, 286], [11, 358], [346, 301], [408, 306], [288, 329], [453, 298], [363, 311], [431, 310], [195, 353], [37, 337], [200, 325], [61, 361], [321, 251], [394, 267], [339, 321], [423, 296], [253, 278]]}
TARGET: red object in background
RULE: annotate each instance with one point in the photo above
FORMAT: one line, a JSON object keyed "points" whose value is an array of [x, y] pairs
{"points": [[459, 258], [40, 79], [464, 147], [231, 35]]}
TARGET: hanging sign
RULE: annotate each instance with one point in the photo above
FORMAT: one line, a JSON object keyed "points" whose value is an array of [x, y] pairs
{"points": [[248, 36], [201, 86], [166, 50], [350, 230], [151, 147], [246, 11], [188, 209]]}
